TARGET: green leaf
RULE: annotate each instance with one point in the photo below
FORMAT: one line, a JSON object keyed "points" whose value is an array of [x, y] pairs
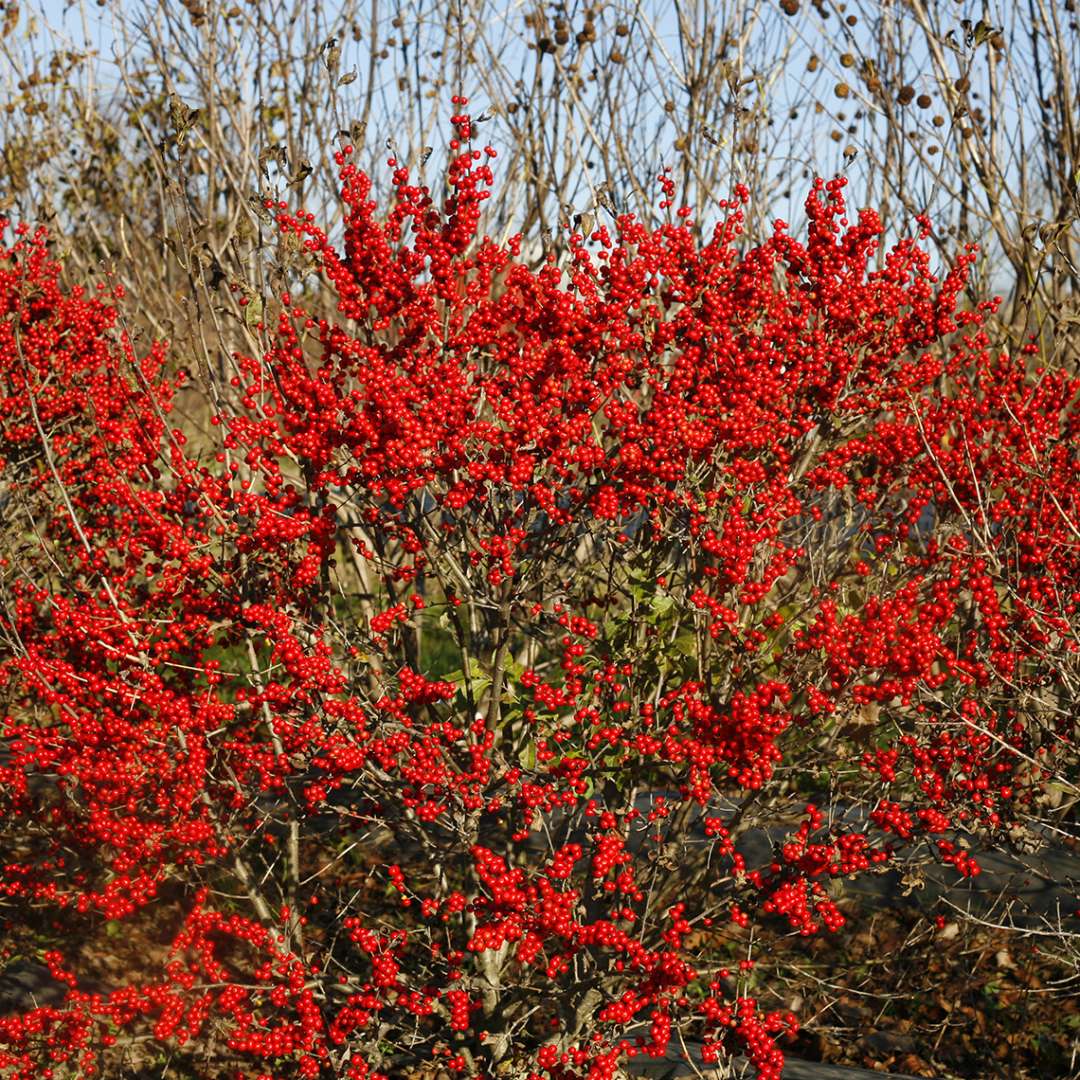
{"points": [[527, 757], [253, 312], [687, 644], [613, 760], [662, 603]]}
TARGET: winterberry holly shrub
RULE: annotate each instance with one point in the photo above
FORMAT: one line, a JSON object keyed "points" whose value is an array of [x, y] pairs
{"points": [[422, 703]]}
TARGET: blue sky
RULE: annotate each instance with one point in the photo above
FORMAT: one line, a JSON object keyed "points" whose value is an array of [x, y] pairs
{"points": [[82, 21]]}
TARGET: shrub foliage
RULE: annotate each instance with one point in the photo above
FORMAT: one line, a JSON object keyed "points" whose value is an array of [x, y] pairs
{"points": [[422, 703]]}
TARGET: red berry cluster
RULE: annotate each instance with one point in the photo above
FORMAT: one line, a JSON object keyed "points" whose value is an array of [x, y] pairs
{"points": [[683, 514]]}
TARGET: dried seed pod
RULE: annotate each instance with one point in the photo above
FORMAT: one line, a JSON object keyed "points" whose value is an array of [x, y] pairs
{"points": [[906, 94], [841, 90], [847, 60]]}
